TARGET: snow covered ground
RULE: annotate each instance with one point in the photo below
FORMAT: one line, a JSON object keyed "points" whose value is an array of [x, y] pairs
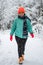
{"points": [[9, 54]]}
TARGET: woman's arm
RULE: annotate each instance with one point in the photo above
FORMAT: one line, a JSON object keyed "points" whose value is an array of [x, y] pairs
{"points": [[13, 28]]}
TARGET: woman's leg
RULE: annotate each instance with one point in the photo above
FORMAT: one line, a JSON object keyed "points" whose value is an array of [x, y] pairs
{"points": [[18, 40], [23, 45], [19, 49]]}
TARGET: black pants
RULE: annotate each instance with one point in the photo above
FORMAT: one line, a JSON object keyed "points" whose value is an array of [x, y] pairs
{"points": [[21, 45]]}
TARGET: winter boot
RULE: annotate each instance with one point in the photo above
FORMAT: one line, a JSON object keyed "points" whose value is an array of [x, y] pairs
{"points": [[23, 57], [20, 60]]}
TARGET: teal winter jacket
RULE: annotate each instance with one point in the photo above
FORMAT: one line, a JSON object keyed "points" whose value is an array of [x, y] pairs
{"points": [[17, 27]]}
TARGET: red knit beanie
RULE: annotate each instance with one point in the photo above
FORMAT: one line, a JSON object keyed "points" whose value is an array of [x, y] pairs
{"points": [[21, 10]]}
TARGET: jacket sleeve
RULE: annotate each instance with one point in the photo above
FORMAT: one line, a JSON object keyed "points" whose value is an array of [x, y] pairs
{"points": [[13, 28], [29, 26]]}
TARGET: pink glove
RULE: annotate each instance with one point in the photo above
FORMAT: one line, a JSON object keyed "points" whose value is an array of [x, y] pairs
{"points": [[11, 37], [32, 35]]}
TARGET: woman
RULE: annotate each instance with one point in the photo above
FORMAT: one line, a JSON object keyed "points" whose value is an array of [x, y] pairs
{"points": [[21, 26]]}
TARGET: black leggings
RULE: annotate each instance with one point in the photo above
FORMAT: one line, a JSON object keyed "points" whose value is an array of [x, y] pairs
{"points": [[21, 45]]}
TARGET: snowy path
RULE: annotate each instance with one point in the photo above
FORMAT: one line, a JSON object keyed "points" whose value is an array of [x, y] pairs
{"points": [[9, 55]]}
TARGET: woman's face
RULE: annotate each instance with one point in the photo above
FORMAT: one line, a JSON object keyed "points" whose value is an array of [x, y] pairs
{"points": [[21, 14]]}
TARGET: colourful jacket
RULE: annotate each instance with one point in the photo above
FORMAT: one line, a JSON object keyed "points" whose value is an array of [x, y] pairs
{"points": [[17, 27]]}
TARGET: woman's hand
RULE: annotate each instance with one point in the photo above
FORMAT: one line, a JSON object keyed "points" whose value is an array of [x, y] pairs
{"points": [[11, 37], [32, 35]]}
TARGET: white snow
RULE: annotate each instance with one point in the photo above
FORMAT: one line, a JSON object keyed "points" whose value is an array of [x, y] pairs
{"points": [[9, 54]]}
